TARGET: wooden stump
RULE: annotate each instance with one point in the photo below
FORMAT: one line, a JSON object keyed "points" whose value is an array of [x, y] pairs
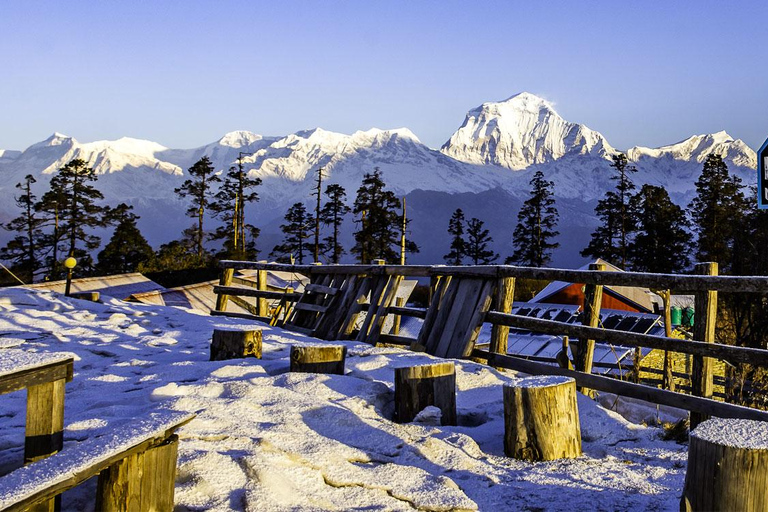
{"points": [[235, 344], [541, 419], [727, 466], [417, 387], [318, 358], [91, 296]]}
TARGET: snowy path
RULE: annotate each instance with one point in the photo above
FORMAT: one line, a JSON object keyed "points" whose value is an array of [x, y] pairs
{"points": [[265, 439]]}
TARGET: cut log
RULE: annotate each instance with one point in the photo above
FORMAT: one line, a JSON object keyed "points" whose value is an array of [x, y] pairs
{"points": [[318, 358], [727, 466], [235, 344], [417, 387], [541, 419]]}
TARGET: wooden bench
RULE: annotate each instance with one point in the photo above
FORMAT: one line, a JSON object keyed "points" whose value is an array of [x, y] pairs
{"points": [[43, 375], [135, 463]]}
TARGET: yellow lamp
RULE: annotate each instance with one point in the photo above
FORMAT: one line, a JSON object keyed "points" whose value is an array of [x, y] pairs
{"points": [[70, 262]]}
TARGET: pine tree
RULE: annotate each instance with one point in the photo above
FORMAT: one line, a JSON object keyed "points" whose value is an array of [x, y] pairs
{"points": [[297, 229], [458, 244], [127, 248], [23, 251], [72, 202], [478, 240], [716, 211], [536, 223], [611, 239], [379, 234], [199, 188], [662, 241], [332, 214], [236, 191]]}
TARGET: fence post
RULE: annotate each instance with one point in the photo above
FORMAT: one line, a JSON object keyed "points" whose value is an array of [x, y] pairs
{"points": [[705, 309], [261, 285], [505, 292], [226, 280], [593, 299], [399, 302]]}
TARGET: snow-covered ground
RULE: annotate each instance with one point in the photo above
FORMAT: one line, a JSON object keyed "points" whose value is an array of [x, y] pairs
{"points": [[265, 439]]}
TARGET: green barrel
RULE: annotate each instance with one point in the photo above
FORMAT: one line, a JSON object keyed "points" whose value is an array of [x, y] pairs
{"points": [[688, 314], [676, 315]]}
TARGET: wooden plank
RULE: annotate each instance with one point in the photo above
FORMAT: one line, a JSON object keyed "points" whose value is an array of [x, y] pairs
{"points": [[623, 388], [399, 302], [224, 281], [244, 316], [377, 291], [503, 298], [305, 306], [78, 477], [465, 347], [705, 306], [593, 300], [243, 304], [45, 420], [461, 309], [394, 339], [407, 311], [318, 288], [381, 312], [330, 325], [443, 314], [62, 369], [429, 319], [730, 353], [261, 284], [250, 292], [348, 325]]}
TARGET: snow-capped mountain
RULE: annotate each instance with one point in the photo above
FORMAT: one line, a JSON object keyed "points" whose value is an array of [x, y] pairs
{"points": [[484, 168], [519, 132]]}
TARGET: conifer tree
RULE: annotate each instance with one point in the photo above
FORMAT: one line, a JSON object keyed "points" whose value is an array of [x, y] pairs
{"points": [[332, 214], [458, 244], [297, 230], [199, 189], [236, 191], [23, 251], [127, 248], [536, 223], [662, 241], [478, 240], [72, 199], [611, 239], [716, 211], [379, 234]]}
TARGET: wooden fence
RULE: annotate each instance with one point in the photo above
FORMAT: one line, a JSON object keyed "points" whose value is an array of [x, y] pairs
{"points": [[463, 298]]}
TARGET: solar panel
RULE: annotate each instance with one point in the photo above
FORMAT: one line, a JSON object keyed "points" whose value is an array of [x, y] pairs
{"points": [[626, 323], [612, 321], [643, 325]]}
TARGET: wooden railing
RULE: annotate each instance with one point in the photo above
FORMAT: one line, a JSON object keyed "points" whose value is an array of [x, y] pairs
{"points": [[462, 298]]}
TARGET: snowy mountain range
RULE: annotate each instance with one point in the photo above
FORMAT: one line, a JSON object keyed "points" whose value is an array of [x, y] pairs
{"points": [[487, 161]]}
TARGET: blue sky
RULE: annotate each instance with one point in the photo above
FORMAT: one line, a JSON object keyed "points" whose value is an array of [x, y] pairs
{"points": [[185, 73]]}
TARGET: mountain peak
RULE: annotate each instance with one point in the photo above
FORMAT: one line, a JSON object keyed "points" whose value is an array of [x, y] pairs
{"points": [[696, 148], [239, 139], [521, 131]]}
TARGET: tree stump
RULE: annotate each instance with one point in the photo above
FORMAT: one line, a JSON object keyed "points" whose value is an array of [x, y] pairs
{"points": [[318, 358], [91, 296], [541, 419], [417, 387], [727, 466], [235, 344]]}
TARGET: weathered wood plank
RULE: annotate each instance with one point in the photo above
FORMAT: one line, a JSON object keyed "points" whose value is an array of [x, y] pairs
{"points": [[318, 288], [381, 312], [394, 339], [224, 281], [705, 305], [461, 310], [623, 388], [305, 306], [467, 344], [730, 353], [244, 316], [593, 300], [429, 320], [58, 370], [408, 311], [250, 292], [503, 298]]}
